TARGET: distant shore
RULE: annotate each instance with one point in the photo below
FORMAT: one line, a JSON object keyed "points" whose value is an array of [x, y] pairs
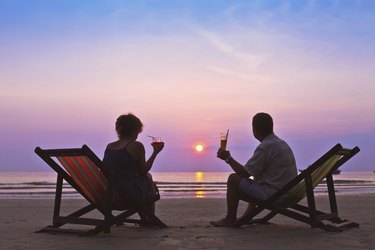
{"points": [[189, 228]]}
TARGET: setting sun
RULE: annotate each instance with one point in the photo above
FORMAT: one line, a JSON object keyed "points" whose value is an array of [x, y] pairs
{"points": [[199, 148]]}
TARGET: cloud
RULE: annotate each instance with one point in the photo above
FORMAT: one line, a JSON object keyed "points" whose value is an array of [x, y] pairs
{"points": [[217, 41]]}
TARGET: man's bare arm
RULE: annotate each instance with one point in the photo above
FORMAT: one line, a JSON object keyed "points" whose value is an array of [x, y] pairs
{"points": [[237, 167]]}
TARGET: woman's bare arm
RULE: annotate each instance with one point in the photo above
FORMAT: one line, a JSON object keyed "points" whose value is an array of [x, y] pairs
{"points": [[138, 149]]}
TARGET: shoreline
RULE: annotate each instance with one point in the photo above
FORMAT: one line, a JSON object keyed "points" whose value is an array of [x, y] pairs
{"points": [[171, 197], [188, 221]]}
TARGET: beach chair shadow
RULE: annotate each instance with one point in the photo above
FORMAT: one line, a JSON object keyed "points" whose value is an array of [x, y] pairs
{"points": [[85, 172], [287, 200]]}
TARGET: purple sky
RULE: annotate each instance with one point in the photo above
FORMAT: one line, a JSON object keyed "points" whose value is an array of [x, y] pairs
{"points": [[189, 70]]}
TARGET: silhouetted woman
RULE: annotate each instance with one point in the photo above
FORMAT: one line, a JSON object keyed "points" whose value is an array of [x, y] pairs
{"points": [[127, 163]]}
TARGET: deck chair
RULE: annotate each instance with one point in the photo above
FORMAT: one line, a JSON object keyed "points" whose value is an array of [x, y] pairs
{"points": [[85, 172], [287, 200]]}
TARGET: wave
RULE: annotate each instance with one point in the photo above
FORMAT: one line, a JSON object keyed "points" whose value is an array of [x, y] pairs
{"points": [[173, 189], [189, 183], [348, 181], [39, 183]]}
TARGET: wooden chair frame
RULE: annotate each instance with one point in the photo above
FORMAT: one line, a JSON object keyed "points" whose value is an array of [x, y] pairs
{"points": [[306, 214], [102, 225]]}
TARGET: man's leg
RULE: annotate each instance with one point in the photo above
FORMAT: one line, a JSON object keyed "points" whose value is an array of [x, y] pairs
{"points": [[253, 189], [232, 202], [249, 209]]}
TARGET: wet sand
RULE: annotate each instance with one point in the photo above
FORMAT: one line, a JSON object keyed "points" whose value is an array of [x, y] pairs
{"points": [[188, 221]]}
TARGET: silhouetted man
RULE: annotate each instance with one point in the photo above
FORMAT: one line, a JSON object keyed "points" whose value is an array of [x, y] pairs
{"points": [[271, 166]]}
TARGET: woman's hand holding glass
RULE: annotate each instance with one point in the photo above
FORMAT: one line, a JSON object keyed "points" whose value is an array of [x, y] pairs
{"points": [[157, 144]]}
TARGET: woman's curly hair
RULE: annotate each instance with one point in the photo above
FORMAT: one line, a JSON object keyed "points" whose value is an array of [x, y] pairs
{"points": [[127, 125]]}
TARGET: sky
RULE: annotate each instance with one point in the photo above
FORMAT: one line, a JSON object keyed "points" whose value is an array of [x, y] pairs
{"points": [[189, 70]]}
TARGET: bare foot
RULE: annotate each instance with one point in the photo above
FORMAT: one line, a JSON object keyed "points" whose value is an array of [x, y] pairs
{"points": [[223, 223]]}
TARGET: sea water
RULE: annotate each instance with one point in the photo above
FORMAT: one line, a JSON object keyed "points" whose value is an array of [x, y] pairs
{"points": [[42, 185]]}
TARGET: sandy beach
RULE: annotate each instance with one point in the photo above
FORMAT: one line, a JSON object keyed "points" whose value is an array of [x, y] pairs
{"points": [[188, 221]]}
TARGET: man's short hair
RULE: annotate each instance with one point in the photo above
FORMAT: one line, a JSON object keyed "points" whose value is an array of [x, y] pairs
{"points": [[263, 123]]}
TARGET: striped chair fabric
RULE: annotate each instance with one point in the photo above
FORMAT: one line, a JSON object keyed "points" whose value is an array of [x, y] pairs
{"points": [[298, 192], [90, 179]]}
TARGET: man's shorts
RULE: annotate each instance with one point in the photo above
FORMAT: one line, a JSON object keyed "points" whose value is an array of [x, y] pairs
{"points": [[252, 189]]}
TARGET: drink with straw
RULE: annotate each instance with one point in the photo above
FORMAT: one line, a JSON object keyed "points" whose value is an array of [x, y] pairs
{"points": [[223, 140], [155, 140]]}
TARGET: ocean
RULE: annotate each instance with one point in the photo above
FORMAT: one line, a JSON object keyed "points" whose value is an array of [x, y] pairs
{"points": [[41, 185]]}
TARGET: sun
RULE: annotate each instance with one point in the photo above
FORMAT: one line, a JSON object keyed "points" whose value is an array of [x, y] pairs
{"points": [[199, 148]]}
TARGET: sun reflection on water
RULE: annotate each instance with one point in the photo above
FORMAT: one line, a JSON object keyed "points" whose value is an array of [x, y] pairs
{"points": [[200, 194], [198, 177]]}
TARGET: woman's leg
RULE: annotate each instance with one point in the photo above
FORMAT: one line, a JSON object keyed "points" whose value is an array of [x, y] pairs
{"points": [[150, 207]]}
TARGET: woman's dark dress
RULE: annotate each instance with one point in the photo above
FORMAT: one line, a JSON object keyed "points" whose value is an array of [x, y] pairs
{"points": [[125, 173]]}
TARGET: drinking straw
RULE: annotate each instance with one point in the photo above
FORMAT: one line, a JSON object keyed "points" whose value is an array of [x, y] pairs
{"points": [[226, 137], [153, 138]]}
